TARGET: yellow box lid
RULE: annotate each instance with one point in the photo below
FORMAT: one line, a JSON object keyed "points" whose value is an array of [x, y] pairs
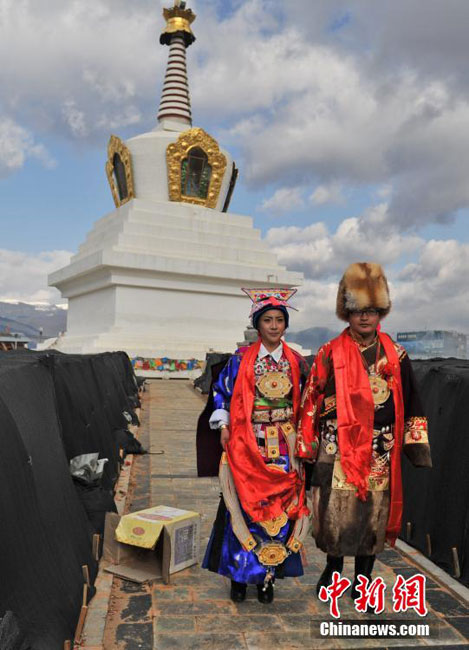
{"points": [[143, 528]]}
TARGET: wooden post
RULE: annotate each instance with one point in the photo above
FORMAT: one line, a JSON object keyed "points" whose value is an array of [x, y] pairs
{"points": [[85, 595], [81, 623], [96, 544], [86, 574], [67, 645], [429, 544], [457, 568], [408, 530]]}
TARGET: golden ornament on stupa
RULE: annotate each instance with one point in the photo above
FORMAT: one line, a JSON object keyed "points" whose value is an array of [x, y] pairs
{"points": [[178, 19]]}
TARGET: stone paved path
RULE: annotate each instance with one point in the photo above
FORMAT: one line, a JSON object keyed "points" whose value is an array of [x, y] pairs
{"points": [[195, 611]]}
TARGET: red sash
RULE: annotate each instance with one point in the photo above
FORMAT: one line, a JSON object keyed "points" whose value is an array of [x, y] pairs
{"points": [[355, 416], [264, 492]]}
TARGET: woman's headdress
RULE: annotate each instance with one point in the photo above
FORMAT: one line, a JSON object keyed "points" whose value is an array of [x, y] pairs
{"points": [[265, 299]]}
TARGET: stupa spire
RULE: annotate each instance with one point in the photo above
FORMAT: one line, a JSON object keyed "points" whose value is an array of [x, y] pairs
{"points": [[175, 101]]}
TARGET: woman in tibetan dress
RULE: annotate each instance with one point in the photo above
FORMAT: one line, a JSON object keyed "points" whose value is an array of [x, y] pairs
{"points": [[262, 518], [360, 408]]}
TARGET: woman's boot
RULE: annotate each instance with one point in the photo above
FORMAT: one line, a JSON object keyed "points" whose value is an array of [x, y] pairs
{"points": [[238, 591], [265, 592]]}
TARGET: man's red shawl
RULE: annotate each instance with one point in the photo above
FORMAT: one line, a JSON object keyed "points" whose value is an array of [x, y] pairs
{"points": [[264, 491], [355, 416]]}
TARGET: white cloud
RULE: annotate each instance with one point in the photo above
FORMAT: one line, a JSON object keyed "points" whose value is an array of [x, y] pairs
{"points": [[81, 67], [431, 292], [394, 35], [284, 200], [415, 138], [75, 119], [315, 302], [16, 145], [321, 254], [437, 285], [23, 276], [310, 107], [327, 194], [384, 191]]}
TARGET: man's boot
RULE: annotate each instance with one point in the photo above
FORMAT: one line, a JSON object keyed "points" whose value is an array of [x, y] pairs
{"points": [[363, 566], [238, 591], [333, 564]]}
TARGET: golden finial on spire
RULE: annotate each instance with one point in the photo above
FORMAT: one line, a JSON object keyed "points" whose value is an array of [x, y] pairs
{"points": [[178, 20]]}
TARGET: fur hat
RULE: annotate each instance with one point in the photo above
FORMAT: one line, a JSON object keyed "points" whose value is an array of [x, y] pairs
{"points": [[363, 285]]}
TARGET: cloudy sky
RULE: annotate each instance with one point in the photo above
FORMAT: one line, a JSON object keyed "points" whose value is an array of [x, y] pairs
{"points": [[349, 121]]}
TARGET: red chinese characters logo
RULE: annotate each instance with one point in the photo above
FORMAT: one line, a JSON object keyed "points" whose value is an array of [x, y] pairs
{"points": [[409, 594], [371, 595], [406, 594], [333, 592]]}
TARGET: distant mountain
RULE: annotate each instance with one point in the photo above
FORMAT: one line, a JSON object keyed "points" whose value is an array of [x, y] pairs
{"points": [[28, 319], [311, 338]]}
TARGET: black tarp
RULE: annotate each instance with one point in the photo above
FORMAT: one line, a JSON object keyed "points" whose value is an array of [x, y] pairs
{"points": [[87, 415], [11, 637], [208, 446], [204, 382], [51, 410], [436, 501]]}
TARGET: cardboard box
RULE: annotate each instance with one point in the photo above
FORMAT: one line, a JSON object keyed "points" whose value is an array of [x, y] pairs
{"points": [[152, 543]]}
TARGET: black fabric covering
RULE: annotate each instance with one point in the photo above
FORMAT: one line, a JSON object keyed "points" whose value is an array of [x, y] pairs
{"points": [[218, 535], [436, 501], [132, 445], [11, 637], [96, 501], [86, 426], [93, 391], [128, 442], [51, 409], [204, 382], [209, 450]]}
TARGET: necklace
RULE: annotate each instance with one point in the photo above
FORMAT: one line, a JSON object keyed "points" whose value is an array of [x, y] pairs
{"points": [[365, 364], [379, 386], [359, 339]]}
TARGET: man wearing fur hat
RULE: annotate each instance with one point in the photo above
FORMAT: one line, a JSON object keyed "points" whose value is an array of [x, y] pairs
{"points": [[360, 408]]}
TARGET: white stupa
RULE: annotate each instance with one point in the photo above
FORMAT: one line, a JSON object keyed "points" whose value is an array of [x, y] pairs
{"points": [[161, 274]]}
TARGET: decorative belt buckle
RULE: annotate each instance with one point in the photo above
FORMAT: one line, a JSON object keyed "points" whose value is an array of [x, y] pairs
{"points": [[271, 553], [274, 385]]}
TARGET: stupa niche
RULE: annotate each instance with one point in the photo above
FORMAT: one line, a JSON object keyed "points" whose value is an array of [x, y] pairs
{"points": [[161, 274]]}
